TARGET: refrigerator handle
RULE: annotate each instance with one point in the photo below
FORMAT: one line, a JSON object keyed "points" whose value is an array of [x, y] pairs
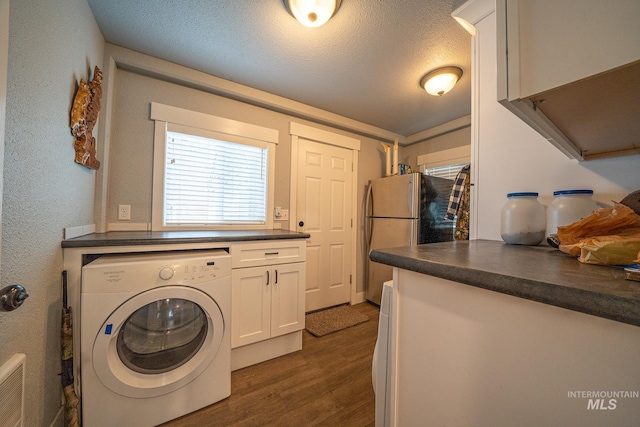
{"points": [[368, 209]]}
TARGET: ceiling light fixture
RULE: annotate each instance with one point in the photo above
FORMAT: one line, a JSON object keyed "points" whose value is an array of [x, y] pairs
{"points": [[440, 81], [312, 13]]}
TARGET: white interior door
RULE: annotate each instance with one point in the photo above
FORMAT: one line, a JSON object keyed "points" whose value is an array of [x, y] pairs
{"points": [[324, 210]]}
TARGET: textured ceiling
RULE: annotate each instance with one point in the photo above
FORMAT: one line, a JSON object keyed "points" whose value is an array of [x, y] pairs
{"points": [[364, 64]]}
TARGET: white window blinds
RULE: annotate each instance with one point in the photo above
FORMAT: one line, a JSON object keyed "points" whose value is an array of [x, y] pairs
{"points": [[447, 172], [214, 182]]}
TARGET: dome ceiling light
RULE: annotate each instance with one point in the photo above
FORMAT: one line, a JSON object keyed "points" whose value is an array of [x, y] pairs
{"points": [[441, 80], [312, 13]]}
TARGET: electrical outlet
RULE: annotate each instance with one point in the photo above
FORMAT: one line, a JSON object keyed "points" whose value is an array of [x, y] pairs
{"points": [[124, 212]]}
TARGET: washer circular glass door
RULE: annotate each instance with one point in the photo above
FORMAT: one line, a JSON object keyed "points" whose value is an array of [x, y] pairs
{"points": [[158, 341]]}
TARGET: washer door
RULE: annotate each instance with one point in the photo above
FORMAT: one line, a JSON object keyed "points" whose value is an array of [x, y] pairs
{"points": [[158, 341]]}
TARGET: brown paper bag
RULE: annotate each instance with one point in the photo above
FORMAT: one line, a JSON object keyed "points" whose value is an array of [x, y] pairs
{"points": [[619, 219], [606, 250], [609, 236]]}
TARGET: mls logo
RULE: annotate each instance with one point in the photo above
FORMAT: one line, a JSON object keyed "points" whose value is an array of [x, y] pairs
{"points": [[600, 404]]}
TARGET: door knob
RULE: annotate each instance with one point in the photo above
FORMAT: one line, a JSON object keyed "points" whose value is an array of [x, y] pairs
{"points": [[301, 223], [12, 297]]}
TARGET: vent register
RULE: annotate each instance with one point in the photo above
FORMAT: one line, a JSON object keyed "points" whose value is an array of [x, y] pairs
{"points": [[12, 391]]}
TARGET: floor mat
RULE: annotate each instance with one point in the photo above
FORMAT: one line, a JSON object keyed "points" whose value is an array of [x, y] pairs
{"points": [[324, 322]]}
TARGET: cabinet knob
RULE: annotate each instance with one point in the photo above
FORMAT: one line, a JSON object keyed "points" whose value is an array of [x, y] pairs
{"points": [[301, 223]]}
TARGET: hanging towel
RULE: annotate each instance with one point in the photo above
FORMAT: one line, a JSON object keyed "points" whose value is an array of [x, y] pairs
{"points": [[457, 192], [462, 218]]}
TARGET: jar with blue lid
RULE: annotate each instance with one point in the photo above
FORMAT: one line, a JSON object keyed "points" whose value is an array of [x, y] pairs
{"points": [[567, 207], [522, 219]]}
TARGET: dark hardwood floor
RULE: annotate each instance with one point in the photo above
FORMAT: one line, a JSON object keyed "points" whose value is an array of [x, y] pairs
{"points": [[328, 383]]}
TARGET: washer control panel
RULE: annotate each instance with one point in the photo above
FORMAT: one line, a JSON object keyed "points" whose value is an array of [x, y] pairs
{"points": [[119, 273], [201, 271], [191, 271]]}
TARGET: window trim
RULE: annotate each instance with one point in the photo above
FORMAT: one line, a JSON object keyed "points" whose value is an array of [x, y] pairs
{"points": [[165, 116], [452, 170], [450, 156]]}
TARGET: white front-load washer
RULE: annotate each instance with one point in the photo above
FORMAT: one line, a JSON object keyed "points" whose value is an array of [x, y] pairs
{"points": [[154, 336]]}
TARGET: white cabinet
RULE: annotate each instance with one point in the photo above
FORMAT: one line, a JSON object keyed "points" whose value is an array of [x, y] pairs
{"points": [[561, 42], [267, 290], [469, 356], [571, 71], [267, 302]]}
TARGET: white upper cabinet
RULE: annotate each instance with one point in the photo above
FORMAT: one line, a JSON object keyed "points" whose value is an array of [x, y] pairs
{"points": [[565, 41], [571, 70]]}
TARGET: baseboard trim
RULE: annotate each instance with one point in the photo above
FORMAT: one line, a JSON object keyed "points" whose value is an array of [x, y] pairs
{"points": [[251, 354]]}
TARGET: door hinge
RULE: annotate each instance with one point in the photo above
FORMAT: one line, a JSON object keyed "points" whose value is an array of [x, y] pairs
{"points": [[351, 222]]}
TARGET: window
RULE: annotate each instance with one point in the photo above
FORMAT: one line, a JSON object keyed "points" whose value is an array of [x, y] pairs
{"points": [[210, 172], [212, 182], [447, 172]]}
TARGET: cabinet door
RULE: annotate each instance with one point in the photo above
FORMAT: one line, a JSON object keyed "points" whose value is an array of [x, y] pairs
{"points": [[561, 42], [569, 70], [287, 298], [250, 305]]}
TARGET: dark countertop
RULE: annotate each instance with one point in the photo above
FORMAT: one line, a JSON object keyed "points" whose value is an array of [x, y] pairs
{"points": [[127, 238], [537, 273]]}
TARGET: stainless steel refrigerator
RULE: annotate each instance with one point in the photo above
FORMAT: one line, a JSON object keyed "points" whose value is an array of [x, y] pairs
{"points": [[403, 210]]}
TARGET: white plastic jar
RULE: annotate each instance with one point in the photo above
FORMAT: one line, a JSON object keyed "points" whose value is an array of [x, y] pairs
{"points": [[568, 206], [522, 219]]}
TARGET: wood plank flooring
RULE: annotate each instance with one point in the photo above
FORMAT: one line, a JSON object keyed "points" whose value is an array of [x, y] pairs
{"points": [[328, 383]]}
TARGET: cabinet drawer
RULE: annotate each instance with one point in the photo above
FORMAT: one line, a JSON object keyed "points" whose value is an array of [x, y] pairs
{"points": [[253, 254]]}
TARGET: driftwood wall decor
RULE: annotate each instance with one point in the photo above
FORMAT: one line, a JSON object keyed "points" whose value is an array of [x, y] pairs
{"points": [[84, 114]]}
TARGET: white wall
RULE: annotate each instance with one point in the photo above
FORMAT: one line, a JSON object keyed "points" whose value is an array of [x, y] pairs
{"points": [[52, 45], [131, 143], [441, 146], [129, 161], [511, 157]]}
